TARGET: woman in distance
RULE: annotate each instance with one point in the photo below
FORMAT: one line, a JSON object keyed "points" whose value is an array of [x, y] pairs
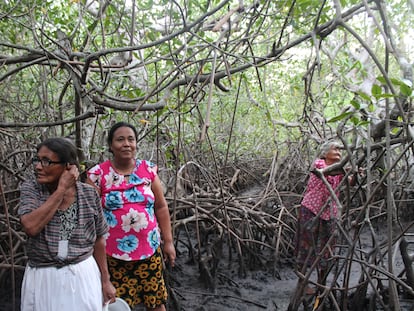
{"points": [[317, 214], [139, 221]]}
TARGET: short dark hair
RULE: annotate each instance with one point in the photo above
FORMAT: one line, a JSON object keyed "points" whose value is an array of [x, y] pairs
{"points": [[117, 126], [64, 148]]}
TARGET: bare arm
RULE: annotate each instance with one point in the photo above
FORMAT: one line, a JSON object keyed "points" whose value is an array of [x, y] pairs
{"points": [[108, 290], [34, 222], [99, 253], [163, 217]]}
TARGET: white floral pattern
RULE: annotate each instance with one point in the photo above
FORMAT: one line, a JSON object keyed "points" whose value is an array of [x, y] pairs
{"points": [[129, 210], [134, 220]]}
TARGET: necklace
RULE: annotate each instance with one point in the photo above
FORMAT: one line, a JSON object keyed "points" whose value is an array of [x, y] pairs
{"points": [[124, 171]]}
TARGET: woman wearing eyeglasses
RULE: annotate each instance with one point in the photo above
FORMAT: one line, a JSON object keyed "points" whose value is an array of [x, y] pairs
{"points": [[67, 268]]}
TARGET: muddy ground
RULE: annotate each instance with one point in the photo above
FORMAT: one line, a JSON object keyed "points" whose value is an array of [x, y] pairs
{"points": [[266, 289], [257, 290]]}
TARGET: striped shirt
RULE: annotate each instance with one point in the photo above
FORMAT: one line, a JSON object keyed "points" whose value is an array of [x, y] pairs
{"points": [[42, 249]]}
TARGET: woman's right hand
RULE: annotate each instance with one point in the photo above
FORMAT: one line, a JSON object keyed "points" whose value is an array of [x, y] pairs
{"points": [[69, 176]]}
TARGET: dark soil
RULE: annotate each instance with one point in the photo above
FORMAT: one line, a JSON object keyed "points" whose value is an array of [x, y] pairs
{"points": [[257, 290], [267, 288]]}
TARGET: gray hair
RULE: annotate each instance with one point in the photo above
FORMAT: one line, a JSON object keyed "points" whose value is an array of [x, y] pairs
{"points": [[325, 147]]}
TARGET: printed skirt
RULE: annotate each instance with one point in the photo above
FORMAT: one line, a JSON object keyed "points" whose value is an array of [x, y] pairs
{"points": [[315, 240], [140, 281]]}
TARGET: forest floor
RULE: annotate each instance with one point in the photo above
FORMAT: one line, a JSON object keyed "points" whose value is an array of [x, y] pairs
{"points": [[255, 291], [258, 290], [267, 289]]}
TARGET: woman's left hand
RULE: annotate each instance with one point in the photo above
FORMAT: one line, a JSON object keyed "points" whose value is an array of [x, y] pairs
{"points": [[169, 253]]}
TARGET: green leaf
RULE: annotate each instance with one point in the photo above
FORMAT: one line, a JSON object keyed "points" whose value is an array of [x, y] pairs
{"points": [[146, 5], [363, 123], [381, 80], [386, 95], [406, 90], [355, 120], [395, 130], [355, 104], [340, 117], [376, 91], [364, 96]]}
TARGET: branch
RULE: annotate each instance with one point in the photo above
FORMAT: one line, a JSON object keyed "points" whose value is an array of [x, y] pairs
{"points": [[129, 107], [87, 115]]}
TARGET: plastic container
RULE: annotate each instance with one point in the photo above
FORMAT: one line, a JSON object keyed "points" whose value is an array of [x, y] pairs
{"points": [[118, 305]]}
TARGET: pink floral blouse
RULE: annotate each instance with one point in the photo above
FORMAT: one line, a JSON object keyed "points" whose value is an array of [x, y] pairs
{"points": [[128, 205], [317, 194]]}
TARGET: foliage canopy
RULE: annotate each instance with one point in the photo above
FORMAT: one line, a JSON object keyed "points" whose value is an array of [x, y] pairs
{"points": [[266, 70]]}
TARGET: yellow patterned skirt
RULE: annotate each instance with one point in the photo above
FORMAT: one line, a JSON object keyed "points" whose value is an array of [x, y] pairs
{"points": [[139, 281]]}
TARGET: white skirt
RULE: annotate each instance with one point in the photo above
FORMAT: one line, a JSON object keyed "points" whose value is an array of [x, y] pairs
{"points": [[70, 288]]}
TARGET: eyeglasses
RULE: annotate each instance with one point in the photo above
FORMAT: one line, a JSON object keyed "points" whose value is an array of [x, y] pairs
{"points": [[44, 162]]}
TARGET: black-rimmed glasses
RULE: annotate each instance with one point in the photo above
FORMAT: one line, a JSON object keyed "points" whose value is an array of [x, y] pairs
{"points": [[44, 162]]}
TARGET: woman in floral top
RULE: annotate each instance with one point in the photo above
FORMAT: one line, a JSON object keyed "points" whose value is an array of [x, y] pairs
{"points": [[317, 214], [138, 218]]}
